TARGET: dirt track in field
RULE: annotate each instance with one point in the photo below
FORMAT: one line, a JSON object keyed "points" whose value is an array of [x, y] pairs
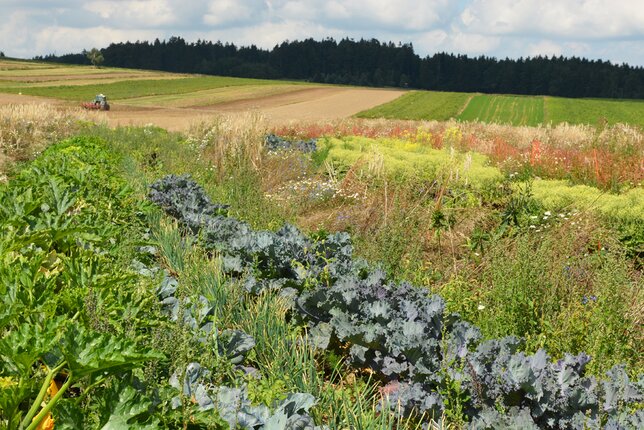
{"points": [[311, 104]]}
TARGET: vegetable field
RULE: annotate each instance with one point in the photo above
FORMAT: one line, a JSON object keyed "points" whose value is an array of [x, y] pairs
{"points": [[132, 300], [351, 274]]}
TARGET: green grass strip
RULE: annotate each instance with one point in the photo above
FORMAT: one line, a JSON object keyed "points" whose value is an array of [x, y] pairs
{"points": [[515, 110], [594, 111], [420, 105], [138, 88]]}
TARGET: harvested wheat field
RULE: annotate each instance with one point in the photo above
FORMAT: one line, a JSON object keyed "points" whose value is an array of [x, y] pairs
{"points": [[317, 103], [324, 103], [175, 101]]}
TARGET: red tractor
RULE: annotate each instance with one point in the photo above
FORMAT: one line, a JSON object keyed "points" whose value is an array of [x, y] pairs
{"points": [[99, 103]]}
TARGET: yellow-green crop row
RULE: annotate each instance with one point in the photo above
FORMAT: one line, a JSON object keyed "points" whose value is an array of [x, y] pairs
{"points": [[559, 194], [406, 160]]}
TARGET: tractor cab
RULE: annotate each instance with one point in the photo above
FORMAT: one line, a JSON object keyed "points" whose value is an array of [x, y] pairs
{"points": [[99, 103], [100, 99]]}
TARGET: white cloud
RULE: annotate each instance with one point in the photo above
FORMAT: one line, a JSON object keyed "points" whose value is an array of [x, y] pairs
{"points": [[401, 16], [471, 43], [593, 28], [129, 13], [269, 34], [432, 41], [578, 19], [13, 30], [133, 13], [225, 13], [51, 39]]}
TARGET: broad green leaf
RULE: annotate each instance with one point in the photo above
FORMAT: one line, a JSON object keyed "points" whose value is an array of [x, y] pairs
{"points": [[12, 393], [22, 347], [89, 352], [68, 415], [124, 408]]}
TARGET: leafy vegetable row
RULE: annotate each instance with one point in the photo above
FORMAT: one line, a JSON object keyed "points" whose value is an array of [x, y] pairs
{"points": [[68, 307], [84, 323], [432, 361], [231, 403], [277, 143]]}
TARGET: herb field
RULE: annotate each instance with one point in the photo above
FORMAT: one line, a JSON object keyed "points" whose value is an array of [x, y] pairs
{"points": [[360, 274]]}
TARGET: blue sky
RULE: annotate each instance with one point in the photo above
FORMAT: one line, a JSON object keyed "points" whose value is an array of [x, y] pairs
{"points": [[607, 29]]}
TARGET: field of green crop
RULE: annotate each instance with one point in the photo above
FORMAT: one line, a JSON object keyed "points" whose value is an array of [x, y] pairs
{"points": [[504, 109], [140, 88], [594, 111], [420, 105]]}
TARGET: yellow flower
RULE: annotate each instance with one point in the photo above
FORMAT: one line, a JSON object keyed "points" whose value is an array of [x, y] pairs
{"points": [[53, 388], [6, 382], [46, 424]]}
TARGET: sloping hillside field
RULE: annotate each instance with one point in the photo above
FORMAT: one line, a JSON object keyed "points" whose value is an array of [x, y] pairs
{"points": [[175, 101]]}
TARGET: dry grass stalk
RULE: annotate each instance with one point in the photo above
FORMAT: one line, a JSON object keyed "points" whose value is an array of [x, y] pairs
{"points": [[231, 140], [25, 130]]}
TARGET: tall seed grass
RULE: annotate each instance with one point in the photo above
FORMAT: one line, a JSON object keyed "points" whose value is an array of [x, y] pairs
{"points": [[230, 140], [25, 130]]}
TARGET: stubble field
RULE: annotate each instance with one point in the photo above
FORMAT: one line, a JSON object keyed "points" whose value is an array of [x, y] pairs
{"points": [[175, 101]]}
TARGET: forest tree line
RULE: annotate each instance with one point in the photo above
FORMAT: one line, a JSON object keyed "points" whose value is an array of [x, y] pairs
{"points": [[378, 64]]}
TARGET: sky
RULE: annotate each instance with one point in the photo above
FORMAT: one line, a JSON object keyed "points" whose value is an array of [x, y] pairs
{"points": [[597, 29]]}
